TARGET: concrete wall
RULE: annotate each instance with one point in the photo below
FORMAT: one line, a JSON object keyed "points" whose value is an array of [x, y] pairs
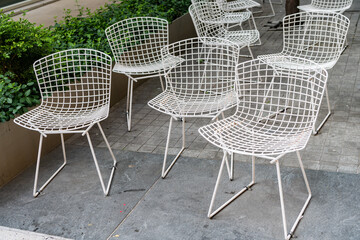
{"points": [[19, 146]]}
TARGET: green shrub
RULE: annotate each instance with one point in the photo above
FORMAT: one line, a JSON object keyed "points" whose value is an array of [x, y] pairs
{"points": [[22, 43], [87, 29], [15, 97]]}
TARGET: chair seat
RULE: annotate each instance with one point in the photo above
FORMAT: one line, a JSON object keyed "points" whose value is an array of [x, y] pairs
{"points": [[243, 38], [311, 8], [148, 68], [203, 105], [291, 62], [52, 120], [253, 138], [233, 17], [240, 5]]}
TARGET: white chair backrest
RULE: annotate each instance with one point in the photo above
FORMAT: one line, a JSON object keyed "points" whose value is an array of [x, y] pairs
{"points": [[283, 100], [75, 80], [138, 41], [201, 12], [206, 69], [316, 36], [331, 4]]}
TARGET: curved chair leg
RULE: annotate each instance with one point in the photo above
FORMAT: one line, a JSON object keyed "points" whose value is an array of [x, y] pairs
{"points": [[129, 99], [105, 189], [211, 213], [316, 130], [35, 191], [165, 170], [287, 234]]}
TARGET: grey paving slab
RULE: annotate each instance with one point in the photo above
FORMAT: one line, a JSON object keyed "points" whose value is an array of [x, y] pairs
{"points": [[176, 207], [16, 234], [73, 204]]}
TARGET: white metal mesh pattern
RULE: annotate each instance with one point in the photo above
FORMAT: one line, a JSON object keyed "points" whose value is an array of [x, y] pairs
{"points": [[319, 37], [208, 24], [237, 5], [203, 84], [136, 44], [75, 91], [276, 110], [216, 14], [327, 6]]}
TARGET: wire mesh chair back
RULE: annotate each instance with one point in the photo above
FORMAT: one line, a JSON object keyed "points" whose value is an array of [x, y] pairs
{"points": [[331, 4], [138, 41], [201, 13], [279, 101], [319, 37], [206, 73], [75, 82]]}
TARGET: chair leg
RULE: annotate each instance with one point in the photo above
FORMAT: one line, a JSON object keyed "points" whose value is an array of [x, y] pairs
{"points": [[230, 167], [211, 213], [162, 83], [255, 27], [35, 191], [165, 170], [287, 234], [105, 189], [251, 54], [316, 130], [129, 102]]}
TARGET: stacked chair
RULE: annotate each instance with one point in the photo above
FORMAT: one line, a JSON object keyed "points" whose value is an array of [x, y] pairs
{"points": [[238, 5], [277, 96], [208, 22], [227, 18]]}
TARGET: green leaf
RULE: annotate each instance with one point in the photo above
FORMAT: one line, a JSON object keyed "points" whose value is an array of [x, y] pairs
{"points": [[27, 93]]}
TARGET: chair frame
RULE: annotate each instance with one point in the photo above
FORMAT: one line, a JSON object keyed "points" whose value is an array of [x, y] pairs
{"points": [[220, 14], [123, 38], [246, 75], [205, 26], [194, 95], [75, 92], [301, 41]]}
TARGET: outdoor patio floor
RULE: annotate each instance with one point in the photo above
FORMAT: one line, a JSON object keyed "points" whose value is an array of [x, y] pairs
{"points": [[141, 205]]}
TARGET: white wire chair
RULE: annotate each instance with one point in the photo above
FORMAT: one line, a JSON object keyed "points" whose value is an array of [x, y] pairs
{"points": [[225, 17], [75, 92], [136, 44], [276, 111], [216, 13], [201, 86], [206, 26], [338, 6], [319, 37]]}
